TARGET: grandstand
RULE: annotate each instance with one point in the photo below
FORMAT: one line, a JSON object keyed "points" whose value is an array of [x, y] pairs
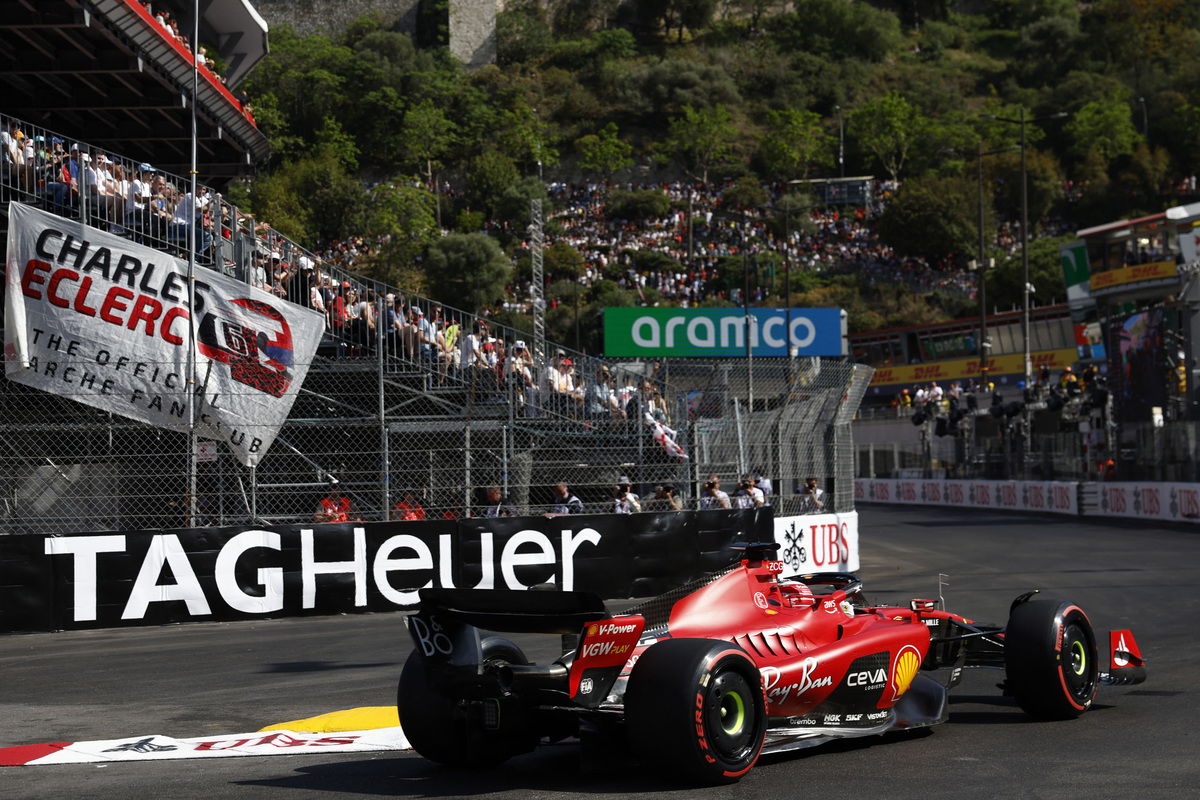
{"points": [[383, 409]]}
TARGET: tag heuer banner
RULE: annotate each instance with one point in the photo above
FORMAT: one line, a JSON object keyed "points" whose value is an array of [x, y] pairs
{"points": [[721, 332], [104, 321]]}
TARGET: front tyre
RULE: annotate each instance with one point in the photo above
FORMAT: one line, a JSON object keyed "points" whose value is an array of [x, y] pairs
{"points": [[1050, 659], [696, 708]]}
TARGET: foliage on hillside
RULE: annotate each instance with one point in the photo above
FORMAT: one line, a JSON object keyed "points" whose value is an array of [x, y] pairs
{"points": [[760, 89]]}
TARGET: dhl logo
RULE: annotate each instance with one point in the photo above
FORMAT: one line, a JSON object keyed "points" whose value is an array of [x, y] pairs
{"points": [[1139, 272]]}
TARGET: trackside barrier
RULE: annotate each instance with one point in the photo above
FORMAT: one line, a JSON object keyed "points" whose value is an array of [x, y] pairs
{"points": [[1170, 502], [1166, 502], [106, 580], [818, 542], [1053, 497]]}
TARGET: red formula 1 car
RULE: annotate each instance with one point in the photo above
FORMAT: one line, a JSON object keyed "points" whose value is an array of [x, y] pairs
{"points": [[704, 679]]}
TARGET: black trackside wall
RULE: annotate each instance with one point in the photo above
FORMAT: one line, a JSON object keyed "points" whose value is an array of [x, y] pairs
{"points": [[104, 580]]}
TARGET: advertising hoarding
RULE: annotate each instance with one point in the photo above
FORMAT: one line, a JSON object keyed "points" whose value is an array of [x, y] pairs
{"points": [[722, 332]]}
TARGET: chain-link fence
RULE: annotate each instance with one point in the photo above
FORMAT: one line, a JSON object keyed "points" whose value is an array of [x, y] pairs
{"points": [[395, 444], [411, 407], [1076, 442]]}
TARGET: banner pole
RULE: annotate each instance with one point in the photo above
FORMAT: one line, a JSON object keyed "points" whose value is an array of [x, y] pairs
{"points": [[191, 282]]}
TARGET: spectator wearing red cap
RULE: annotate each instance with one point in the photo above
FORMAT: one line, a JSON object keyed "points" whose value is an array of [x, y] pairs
{"points": [[565, 397]]}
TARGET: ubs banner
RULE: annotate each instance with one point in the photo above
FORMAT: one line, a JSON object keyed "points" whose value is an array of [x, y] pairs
{"points": [[1054, 497], [104, 580]]}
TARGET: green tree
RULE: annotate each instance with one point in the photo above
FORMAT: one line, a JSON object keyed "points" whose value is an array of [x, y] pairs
{"points": [[334, 143], [887, 127], [794, 143], [521, 33], [933, 218], [701, 139], [1044, 180], [563, 261], [603, 152], [1006, 281], [837, 29], [755, 10], [1145, 178], [488, 176], [746, 193], [694, 15], [513, 205], [468, 270], [791, 215], [428, 137], [526, 137], [640, 204], [1103, 126], [312, 199], [1183, 129], [404, 214]]}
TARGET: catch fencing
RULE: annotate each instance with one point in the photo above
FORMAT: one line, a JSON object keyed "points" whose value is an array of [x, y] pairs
{"points": [[395, 419], [397, 444]]}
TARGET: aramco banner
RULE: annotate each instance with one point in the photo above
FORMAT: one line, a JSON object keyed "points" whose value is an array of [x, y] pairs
{"points": [[104, 321], [712, 332]]}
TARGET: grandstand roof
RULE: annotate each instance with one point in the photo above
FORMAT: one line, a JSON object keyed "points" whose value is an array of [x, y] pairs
{"points": [[104, 71]]}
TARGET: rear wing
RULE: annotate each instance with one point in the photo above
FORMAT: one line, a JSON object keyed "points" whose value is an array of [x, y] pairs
{"points": [[445, 630], [515, 611]]}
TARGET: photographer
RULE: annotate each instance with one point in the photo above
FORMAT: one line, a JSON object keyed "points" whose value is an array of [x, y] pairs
{"points": [[747, 494], [812, 497], [711, 496], [624, 500], [665, 499]]}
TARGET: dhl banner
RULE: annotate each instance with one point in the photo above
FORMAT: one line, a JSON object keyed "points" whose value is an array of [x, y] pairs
{"points": [[962, 369], [105, 321], [1153, 271]]}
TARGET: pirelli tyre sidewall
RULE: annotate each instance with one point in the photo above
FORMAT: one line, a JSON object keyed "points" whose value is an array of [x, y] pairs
{"points": [[695, 708], [1051, 662]]}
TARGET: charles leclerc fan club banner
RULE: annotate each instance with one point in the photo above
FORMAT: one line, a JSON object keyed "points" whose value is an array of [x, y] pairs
{"points": [[104, 321]]}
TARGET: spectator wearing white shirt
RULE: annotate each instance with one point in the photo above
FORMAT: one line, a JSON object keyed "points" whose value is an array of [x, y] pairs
{"points": [[471, 348], [520, 377], [102, 190], [137, 199], [188, 213], [711, 496]]}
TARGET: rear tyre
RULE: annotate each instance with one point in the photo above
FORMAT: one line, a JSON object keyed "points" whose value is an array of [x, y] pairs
{"points": [[440, 726], [696, 708], [1050, 659]]}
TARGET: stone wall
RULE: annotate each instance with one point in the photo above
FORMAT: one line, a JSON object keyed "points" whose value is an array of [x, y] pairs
{"points": [[472, 22], [473, 31], [331, 17]]}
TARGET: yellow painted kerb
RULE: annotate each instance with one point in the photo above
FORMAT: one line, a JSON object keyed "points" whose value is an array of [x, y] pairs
{"points": [[351, 719]]}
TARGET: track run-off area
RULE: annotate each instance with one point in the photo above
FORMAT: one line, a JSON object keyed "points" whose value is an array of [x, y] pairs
{"points": [[214, 679]]}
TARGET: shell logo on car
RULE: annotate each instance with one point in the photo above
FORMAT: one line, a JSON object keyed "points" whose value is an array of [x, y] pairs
{"points": [[904, 669]]}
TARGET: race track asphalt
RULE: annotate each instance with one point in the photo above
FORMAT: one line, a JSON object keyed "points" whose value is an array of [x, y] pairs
{"points": [[209, 678]]}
